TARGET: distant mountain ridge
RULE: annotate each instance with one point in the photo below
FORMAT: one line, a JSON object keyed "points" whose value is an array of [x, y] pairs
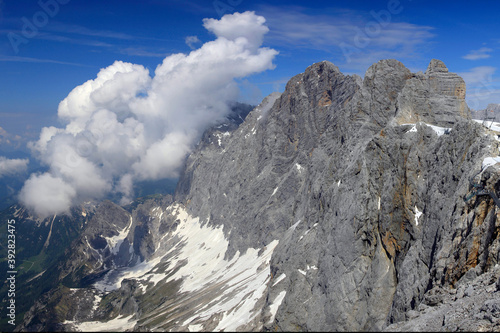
{"points": [[492, 112], [342, 204]]}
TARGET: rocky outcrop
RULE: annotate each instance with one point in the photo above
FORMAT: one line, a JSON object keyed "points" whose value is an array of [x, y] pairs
{"points": [[436, 97], [338, 205], [473, 306]]}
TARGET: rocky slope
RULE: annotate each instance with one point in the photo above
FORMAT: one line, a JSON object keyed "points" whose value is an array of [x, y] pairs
{"points": [[336, 205]]}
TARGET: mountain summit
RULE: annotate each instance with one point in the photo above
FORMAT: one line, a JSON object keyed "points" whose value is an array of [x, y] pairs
{"points": [[342, 204]]}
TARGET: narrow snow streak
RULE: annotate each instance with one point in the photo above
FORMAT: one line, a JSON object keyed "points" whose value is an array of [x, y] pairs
{"points": [[275, 305], [417, 214], [279, 279]]}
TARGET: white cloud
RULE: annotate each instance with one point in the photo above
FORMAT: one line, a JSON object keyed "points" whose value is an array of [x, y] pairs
{"points": [[12, 166], [126, 125], [192, 41], [239, 25], [482, 53], [47, 194]]}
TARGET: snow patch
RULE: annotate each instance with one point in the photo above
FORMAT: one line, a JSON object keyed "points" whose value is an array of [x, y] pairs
{"points": [[413, 129], [305, 233], [494, 126], [417, 215], [273, 307], [302, 272], [245, 277], [118, 324], [274, 192], [195, 328], [197, 260], [489, 161], [292, 228], [279, 279], [115, 241], [299, 167], [439, 130], [97, 301], [379, 203]]}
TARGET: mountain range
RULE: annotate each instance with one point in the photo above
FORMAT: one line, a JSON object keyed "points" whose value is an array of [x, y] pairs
{"points": [[342, 204]]}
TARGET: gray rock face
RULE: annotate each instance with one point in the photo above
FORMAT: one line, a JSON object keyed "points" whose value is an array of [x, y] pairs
{"points": [[491, 113], [348, 191], [474, 306], [374, 203], [436, 97]]}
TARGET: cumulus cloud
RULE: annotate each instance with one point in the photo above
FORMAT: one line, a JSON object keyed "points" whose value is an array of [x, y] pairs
{"points": [[47, 194], [12, 166], [127, 125], [482, 53]]}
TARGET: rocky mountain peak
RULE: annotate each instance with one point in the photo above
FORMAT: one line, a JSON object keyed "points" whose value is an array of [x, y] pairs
{"points": [[436, 97], [436, 66]]}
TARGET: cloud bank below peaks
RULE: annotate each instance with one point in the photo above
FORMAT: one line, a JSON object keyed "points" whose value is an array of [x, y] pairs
{"points": [[126, 125]]}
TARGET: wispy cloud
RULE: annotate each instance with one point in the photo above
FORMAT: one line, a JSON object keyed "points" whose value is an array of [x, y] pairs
{"points": [[73, 29], [482, 53], [70, 40], [38, 60], [483, 87], [84, 31], [356, 38], [479, 75], [110, 41], [141, 52]]}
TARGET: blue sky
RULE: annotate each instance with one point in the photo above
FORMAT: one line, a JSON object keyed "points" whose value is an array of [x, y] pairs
{"points": [[85, 36]]}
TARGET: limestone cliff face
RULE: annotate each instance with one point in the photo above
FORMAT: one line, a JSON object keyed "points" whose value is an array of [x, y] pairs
{"points": [[436, 97], [362, 180], [336, 205]]}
